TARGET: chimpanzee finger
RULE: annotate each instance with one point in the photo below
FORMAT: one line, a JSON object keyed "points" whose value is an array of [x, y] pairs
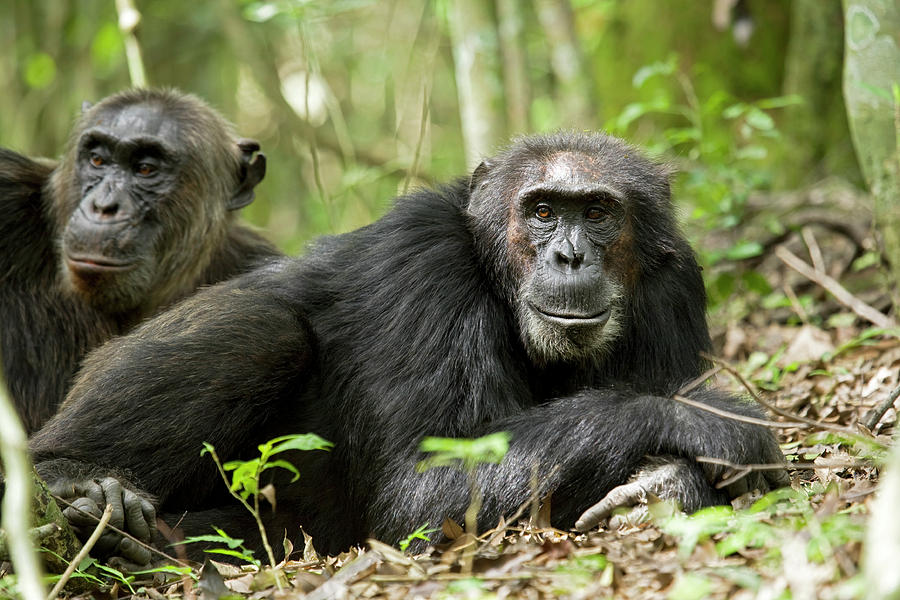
{"points": [[83, 513], [135, 522], [132, 555], [112, 492], [626, 495], [149, 513], [778, 478]]}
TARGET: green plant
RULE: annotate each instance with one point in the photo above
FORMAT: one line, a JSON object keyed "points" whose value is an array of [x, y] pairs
{"points": [[779, 514], [235, 546], [466, 454], [419, 534], [244, 484], [723, 146]]}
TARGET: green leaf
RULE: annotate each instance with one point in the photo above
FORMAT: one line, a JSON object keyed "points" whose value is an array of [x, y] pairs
{"points": [[470, 452], [780, 101], [743, 250], [757, 119], [652, 70], [284, 465], [106, 49], [221, 539], [246, 555], [419, 534], [735, 110], [753, 152], [304, 442], [245, 474], [690, 586], [40, 70]]}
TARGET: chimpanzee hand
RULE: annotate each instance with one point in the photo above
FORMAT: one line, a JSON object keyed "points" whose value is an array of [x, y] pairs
{"points": [[131, 513], [665, 477], [684, 481]]}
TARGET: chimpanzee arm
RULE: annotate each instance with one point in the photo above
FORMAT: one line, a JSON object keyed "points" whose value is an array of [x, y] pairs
{"points": [[598, 439], [214, 369]]}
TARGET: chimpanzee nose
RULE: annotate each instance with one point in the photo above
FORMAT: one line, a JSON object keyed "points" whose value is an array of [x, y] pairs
{"points": [[105, 208], [567, 255]]}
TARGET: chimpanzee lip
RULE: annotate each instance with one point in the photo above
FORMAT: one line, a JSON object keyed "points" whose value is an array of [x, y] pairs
{"points": [[89, 263], [571, 319]]}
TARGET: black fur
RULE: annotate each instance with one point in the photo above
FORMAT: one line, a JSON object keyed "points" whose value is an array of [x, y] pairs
{"points": [[402, 329], [47, 325]]}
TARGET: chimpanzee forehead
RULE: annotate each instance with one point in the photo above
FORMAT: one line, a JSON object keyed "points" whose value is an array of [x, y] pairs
{"points": [[139, 120], [568, 168]]}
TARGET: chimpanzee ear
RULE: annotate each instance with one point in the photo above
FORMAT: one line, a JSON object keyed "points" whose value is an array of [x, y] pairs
{"points": [[85, 106], [252, 171], [479, 174]]}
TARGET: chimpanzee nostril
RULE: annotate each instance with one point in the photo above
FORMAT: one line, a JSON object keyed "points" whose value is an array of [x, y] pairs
{"points": [[568, 255]]}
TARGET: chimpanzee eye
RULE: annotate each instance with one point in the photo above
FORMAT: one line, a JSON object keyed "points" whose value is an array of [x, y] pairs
{"points": [[97, 160], [542, 211], [593, 214], [145, 169]]}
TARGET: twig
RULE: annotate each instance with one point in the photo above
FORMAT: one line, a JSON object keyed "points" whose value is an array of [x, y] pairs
{"points": [[839, 292], [488, 537], [874, 416], [123, 533], [803, 421], [16, 508], [795, 303], [85, 549], [423, 128], [752, 467], [692, 385], [815, 253], [744, 470], [735, 416]]}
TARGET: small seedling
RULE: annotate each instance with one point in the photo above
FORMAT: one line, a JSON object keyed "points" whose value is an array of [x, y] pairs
{"points": [[244, 483], [419, 534], [466, 454]]}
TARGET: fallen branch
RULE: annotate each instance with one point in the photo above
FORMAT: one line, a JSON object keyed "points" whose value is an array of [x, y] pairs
{"points": [[840, 293], [874, 416], [104, 520], [692, 385], [736, 416], [803, 421]]}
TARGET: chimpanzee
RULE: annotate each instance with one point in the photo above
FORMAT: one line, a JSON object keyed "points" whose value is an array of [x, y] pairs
{"points": [[550, 296], [138, 214]]}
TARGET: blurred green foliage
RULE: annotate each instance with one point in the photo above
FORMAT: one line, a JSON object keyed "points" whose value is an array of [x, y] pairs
{"points": [[336, 92]]}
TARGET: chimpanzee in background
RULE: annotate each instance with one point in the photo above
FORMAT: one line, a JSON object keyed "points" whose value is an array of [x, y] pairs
{"points": [[550, 296], [138, 214]]}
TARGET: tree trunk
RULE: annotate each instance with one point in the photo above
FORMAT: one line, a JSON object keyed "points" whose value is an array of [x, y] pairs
{"points": [[475, 51], [871, 90], [515, 75], [574, 85], [817, 30]]}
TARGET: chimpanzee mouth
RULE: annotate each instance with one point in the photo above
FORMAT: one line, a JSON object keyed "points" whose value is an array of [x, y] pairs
{"points": [[89, 264], [566, 319]]}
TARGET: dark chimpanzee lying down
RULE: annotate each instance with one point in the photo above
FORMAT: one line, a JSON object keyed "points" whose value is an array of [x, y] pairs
{"points": [[138, 214], [550, 296]]}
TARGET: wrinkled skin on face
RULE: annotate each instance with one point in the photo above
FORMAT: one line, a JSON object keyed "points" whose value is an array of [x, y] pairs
{"points": [[145, 198], [569, 299], [128, 164]]}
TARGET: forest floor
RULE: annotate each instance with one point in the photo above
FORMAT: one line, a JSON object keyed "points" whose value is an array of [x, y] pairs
{"points": [[817, 363]]}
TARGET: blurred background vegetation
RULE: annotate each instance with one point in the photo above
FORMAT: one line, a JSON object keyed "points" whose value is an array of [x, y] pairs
{"points": [[355, 101]]}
